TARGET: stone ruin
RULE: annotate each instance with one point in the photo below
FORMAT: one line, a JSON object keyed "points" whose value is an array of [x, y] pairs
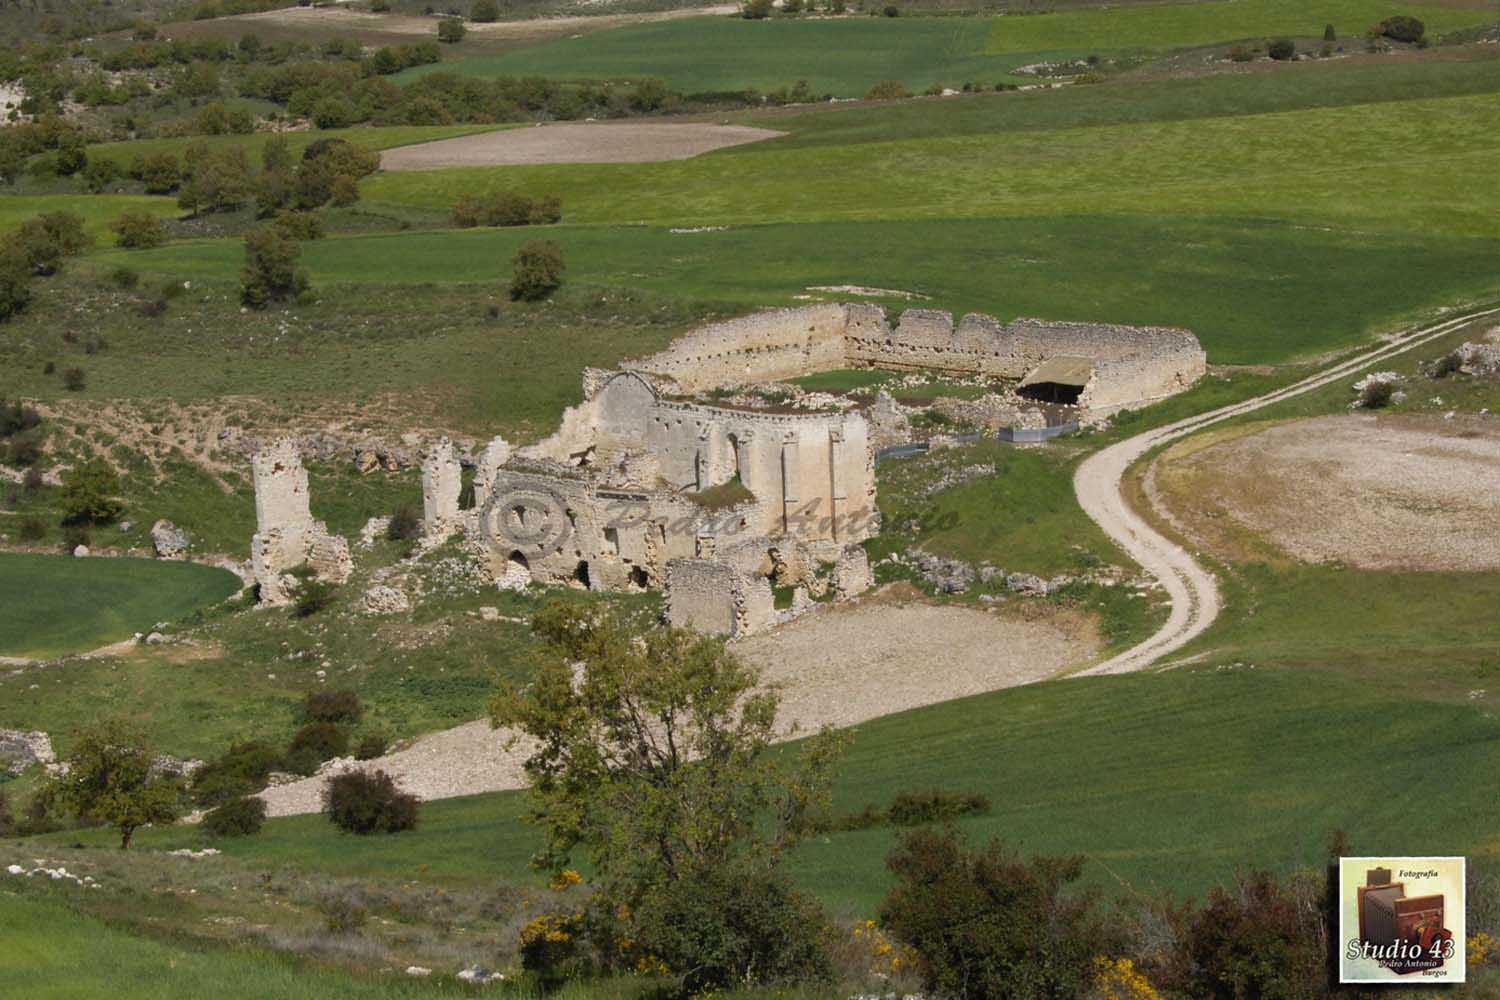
{"points": [[286, 535], [648, 484]]}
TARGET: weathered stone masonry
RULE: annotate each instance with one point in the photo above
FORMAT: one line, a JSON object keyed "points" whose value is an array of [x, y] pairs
{"points": [[286, 534]]}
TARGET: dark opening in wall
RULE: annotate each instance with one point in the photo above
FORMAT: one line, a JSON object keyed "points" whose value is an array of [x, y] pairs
{"points": [[1051, 392]]}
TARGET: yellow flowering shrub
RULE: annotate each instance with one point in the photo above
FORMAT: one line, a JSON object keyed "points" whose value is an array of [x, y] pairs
{"points": [[886, 957], [552, 947], [1483, 948], [565, 880], [1119, 979]]}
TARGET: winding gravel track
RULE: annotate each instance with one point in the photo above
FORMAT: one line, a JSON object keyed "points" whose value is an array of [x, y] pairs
{"points": [[1192, 589]]}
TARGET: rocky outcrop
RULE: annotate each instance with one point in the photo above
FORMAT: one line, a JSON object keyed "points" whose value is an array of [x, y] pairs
{"points": [[384, 600], [169, 541], [20, 749]]}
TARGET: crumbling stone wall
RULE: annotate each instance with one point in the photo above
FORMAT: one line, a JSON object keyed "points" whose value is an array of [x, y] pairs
{"points": [[442, 482], [1132, 364], [715, 598], [287, 535]]}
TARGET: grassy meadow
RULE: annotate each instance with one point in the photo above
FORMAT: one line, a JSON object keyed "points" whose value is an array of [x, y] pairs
{"points": [[844, 57], [59, 604]]}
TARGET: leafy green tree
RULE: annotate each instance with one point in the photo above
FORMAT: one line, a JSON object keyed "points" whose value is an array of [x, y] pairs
{"points": [[1403, 28], [654, 758], [160, 172], [15, 281], [89, 492], [536, 270], [485, 11], [219, 179], [138, 229], [111, 781], [47, 239], [270, 273], [451, 29]]}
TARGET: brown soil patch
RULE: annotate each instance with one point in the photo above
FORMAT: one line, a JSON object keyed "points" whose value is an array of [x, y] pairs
{"points": [[1375, 492], [846, 665], [838, 667], [574, 143]]}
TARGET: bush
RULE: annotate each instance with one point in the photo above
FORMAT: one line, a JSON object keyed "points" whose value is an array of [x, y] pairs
{"points": [[299, 225], [315, 743], [984, 921], [1403, 28], [100, 174], [553, 949], [537, 270], [23, 451], [48, 238], [32, 529], [451, 30], [343, 913], [343, 190], [405, 524], [504, 208], [370, 746], [124, 277], [75, 535], [1449, 364], [484, 11], [236, 818], [362, 803], [312, 595], [88, 493], [138, 229], [891, 10], [1329, 35], [756, 10], [15, 283], [916, 808], [1376, 394], [74, 379], [1281, 49], [270, 273], [18, 419], [332, 706], [244, 769], [1241, 53], [887, 90], [159, 172]]}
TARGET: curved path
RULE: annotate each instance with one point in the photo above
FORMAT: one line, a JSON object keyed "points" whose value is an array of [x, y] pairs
{"points": [[1192, 589]]}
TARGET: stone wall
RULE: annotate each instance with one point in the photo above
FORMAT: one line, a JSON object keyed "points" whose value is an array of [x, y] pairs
{"points": [[1133, 364], [287, 535], [715, 598]]}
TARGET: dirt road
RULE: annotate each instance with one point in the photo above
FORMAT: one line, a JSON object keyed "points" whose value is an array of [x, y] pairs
{"points": [[1193, 590]]}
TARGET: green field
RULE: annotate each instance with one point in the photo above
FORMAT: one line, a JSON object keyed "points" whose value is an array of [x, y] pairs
{"points": [[48, 952], [374, 137], [97, 210], [58, 604], [844, 57]]}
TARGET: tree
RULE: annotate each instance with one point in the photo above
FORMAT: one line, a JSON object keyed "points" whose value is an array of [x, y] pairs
{"points": [[159, 172], [45, 240], [138, 229], [654, 760], [537, 270], [15, 281], [988, 924], [451, 29], [111, 781], [1281, 49], [343, 191], [485, 11], [88, 493], [1403, 28], [270, 273], [361, 803], [756, 10], [219, 179], [1329, 35]]}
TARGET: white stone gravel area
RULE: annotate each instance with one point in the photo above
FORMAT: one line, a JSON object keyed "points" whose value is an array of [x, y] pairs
{"points": [[838, 666], [624, 142]]}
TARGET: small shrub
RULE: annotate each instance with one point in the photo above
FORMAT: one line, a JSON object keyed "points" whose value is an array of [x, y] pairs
{"points": [[88, 493], [75, 535], [537, 270], [312, 595], [24, 451], [1329, 35], [343, 913], [74, 379], [887, 90], [406, 524], [332, 706], [242, 770], [1281, 49], [138, 229], [236, 818], [370, 746], [756, 10], [891, 10], [313, 744], [935, 806], [32, 481], [32, 529], [1403, 28], [1447, 365], [270, 273], [152, 308], [1241, 53], [124, 277], [552, 949], [362, 803], [1376, 394], [299, 225], [484, 11], [451, 30]]}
